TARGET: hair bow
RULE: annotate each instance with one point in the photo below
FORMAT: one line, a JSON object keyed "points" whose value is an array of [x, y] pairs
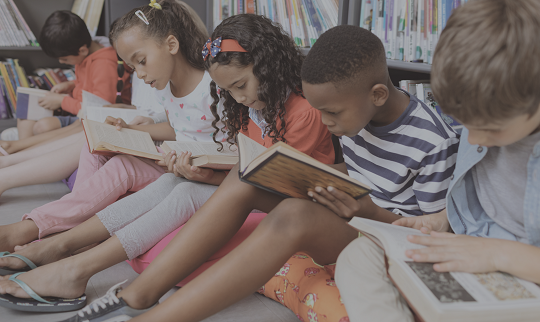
{"points": [[211, 48], [154, 4]]}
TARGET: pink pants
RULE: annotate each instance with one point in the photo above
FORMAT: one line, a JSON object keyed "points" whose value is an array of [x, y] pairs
{"points": [[100, 182]]}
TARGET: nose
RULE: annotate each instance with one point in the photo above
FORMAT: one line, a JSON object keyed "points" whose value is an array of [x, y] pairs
{"points": [[140, 74]]}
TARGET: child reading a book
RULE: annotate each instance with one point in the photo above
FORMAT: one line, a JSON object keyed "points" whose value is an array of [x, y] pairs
{"points": [[346, 78], [65, 36], [480, 77], [281, 114]]}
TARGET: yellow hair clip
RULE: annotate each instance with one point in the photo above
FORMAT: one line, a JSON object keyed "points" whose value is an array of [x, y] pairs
{"points": [[154, 4]]}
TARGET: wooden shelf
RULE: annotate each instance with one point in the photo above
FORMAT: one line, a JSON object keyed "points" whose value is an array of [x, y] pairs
{"points": [[411, 67], [14, 48]]}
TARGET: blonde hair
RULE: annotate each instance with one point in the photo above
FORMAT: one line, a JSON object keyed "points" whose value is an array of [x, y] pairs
{"points": [[485, 67]]}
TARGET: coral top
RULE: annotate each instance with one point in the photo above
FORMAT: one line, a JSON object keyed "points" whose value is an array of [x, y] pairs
{"points": [[97, 74], [304, 130]]}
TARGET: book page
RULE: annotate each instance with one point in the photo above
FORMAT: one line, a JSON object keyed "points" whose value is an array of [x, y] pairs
{"points": [[126, 138], [393, 238], [99, 114], [249, 150], [200, 148], [90, 99]]}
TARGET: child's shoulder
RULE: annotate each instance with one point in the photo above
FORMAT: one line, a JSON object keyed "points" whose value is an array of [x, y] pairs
{"points": [[298, 107], [105, 54]]}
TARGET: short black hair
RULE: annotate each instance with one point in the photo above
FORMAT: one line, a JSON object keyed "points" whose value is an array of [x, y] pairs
{"points": [[342, 53], [63, 34]]}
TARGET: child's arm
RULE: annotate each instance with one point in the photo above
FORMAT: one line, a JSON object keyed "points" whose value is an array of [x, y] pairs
{"points": [[477, 255], [63, 88], [158, 132], [346, 206]]}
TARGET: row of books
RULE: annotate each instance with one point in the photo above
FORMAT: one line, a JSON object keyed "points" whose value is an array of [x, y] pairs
{"points": [[90, 12], [13, 76], [14, 30], [304, 20], [422, 90], [409, 29]]}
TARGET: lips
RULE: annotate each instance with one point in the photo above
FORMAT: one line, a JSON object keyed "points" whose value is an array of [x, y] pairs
{"points": [[152, 83]]}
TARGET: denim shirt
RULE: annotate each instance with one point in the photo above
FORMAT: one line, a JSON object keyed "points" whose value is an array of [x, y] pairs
{"points": [[466, 215]]}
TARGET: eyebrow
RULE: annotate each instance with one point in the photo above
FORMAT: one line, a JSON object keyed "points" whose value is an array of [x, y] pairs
{"points": [[133, 56], [235, 82]]}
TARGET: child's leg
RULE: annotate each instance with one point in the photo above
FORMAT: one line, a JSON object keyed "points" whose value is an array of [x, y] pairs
{"points": [[366, 290], [292, 226], [49, 167], [46, 124], [25, 128], [204, 234], [16, 146], [38, 151]]}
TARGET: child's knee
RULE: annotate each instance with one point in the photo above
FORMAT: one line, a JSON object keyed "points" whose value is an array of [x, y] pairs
{"points": [[46, 124], [290, 216]]}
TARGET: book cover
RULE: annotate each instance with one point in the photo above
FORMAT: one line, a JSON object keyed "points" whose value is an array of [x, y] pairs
{"points": [[27, 104]]}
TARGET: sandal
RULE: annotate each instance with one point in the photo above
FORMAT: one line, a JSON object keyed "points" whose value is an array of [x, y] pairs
{"points": [[7, 271]]}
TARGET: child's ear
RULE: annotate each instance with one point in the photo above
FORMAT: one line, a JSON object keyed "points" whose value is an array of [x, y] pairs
{"points": [[172, 44], [83, 51], [379, 94]]}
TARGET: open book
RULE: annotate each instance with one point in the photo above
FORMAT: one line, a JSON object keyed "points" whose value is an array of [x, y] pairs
{"points": [[454, 296], [205, 154], [92, 107], [27, 104], [290, 173], [105, 139]]}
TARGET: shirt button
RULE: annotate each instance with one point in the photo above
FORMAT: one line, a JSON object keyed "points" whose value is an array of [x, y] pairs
{"points": [[480, 149], [452, 177]]}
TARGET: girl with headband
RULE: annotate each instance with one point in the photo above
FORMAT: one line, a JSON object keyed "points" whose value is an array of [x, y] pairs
{"points": [[262, 99]]}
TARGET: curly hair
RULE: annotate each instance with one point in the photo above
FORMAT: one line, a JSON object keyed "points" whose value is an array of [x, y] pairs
{"points": [[276, 65], [175, 18]]}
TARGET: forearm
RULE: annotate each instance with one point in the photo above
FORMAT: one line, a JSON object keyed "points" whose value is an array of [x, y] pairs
{"points": [[158, 132], [519, 259]]}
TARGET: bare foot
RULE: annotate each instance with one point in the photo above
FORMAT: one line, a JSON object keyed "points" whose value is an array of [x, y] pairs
{"points": [[19, 233], [40, 253], [60, 279]]}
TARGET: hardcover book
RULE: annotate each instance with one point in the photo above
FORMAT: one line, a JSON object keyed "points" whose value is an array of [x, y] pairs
{"points": [[205, 154], [27, 104], [290, 173]]}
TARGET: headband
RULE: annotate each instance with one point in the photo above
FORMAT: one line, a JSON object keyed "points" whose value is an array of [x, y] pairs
{"points": [[214, 47]]}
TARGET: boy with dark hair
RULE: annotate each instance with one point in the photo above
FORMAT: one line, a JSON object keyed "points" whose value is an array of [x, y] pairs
{"points": [[65, 36], [485, 74]]}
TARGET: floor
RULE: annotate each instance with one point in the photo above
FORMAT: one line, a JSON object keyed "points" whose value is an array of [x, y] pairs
{"points": [[16, 202]]}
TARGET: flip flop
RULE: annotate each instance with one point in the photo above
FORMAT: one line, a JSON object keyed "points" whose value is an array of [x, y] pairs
{"points": [[8, 271], [3, 152], [37, 303]]}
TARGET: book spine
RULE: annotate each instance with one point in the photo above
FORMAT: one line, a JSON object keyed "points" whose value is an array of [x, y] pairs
{"points": [[29, 34], [13, 71], [250, 6], [3, 104], [9, 87], [22, 75], [6, 20], [17, 28]]}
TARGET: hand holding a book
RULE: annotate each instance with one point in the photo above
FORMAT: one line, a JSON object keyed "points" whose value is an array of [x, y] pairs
{"points": [[118, 122], [63, 88], [427, 223], [51, 101], [342, 204], [142, 120], [183, 168]]}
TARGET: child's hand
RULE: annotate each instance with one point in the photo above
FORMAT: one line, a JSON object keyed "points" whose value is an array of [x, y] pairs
{"points": [[142, 120], [426, 223], [118, 122], [168, 161], [63, 88], [51, 101], [120, 105], [453, 253], [343, 204], [183, 168]]}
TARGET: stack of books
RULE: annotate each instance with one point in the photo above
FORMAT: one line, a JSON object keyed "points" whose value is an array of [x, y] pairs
{"points": [[303, 20], [14, 32], [409, 29]]}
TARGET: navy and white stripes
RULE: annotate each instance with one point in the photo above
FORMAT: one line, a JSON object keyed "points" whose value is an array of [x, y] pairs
{"points": [[408, 163]]}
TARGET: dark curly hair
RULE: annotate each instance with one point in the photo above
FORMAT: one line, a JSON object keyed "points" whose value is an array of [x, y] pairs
{"points": [[276, 65], [173, 19], [344, 53]]}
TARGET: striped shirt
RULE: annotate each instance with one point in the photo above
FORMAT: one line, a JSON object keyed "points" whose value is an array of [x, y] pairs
{"points": [[408, 164]]}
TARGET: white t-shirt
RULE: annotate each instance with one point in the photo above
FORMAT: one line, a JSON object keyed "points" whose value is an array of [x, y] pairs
{"points": [[190, 116]]}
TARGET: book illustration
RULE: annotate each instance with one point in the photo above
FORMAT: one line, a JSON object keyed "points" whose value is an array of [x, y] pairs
{"points": [[443, 285], [504, 286]]}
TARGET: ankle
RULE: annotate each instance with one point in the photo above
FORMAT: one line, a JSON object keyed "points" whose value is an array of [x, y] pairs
{"points": [[20, 233]]}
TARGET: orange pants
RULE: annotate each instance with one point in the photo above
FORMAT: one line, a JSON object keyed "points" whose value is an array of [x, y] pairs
{"points": [[308, 289]]}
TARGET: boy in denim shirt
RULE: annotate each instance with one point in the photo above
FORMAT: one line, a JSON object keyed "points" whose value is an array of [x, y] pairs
{"points": [[486, 74]]}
